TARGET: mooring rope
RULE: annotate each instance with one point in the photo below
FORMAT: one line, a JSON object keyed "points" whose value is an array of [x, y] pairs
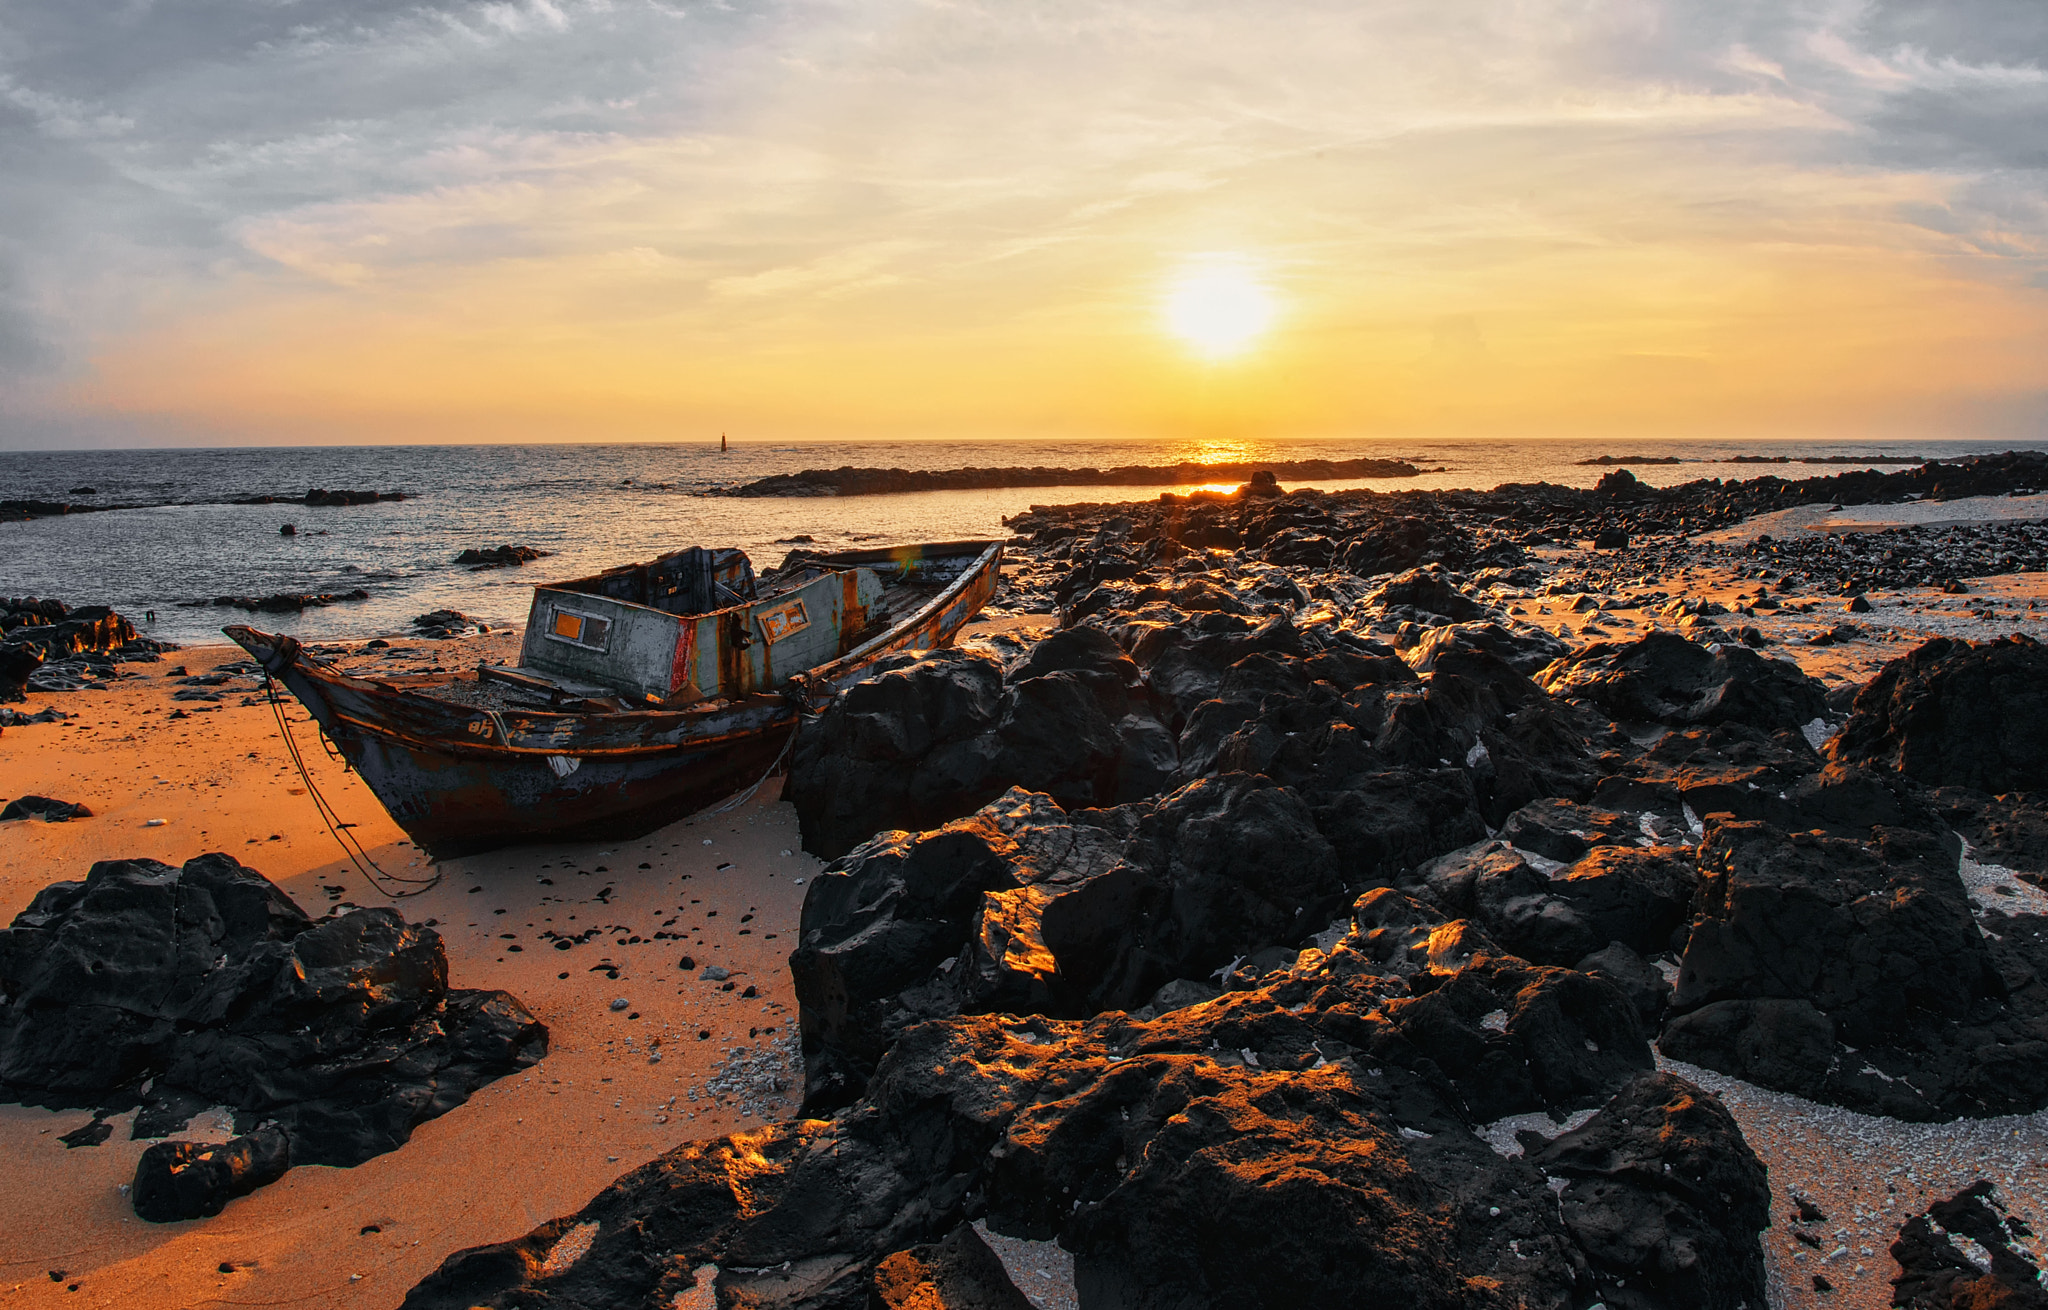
{"points": [[363, 861], [748, 794]]}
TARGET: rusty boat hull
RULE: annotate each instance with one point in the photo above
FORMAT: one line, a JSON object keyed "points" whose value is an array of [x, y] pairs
{"points": [[462, 780]]}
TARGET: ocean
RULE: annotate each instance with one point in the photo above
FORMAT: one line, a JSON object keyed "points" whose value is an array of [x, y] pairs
{"points": [[595, 506]]}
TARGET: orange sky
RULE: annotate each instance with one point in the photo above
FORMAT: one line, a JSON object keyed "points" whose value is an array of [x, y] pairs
{"points": [[960, 219]]}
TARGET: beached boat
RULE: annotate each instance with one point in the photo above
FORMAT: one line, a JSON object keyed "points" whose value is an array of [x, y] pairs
{"points": [[642, 694]]}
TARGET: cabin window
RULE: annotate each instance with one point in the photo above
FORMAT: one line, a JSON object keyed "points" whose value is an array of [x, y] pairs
{"points": [[580, 629], [791, 616]]}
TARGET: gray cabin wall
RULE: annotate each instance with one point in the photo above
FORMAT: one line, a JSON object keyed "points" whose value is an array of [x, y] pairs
{"points": [[638, 650], [728, 652]]}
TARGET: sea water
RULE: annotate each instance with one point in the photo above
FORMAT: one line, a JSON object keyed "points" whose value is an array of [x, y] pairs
{"points": [[595, 506]]}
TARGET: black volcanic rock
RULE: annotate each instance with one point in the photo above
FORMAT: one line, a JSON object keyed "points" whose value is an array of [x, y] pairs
{"points": [[1427, 592], [1395, 545], [2010, 830], [191, 1180], [17, 661], [1852, 971], [1956, 714], [939, 735], [1559, 830], [1663, 678], [498, 557], [958, 1273], [1383, 824], [1025, 907], [1934, 1274], [909, 748], [1291, 1145], [45, 808], [1525, 650], [206, 985], [288, 602], [1635, 896], [321, 496], [850, 481], [1663, 1167], [38, 630]]}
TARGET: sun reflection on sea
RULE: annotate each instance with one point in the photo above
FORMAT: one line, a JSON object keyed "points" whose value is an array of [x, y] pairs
{"points": [[1218, 452]]}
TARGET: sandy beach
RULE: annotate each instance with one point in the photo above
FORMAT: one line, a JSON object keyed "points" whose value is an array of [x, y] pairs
{"points": [[687, 1058]]}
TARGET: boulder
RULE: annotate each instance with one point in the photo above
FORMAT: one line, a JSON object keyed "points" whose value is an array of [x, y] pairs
{"points": [[44, 808], [1853, 972], [1729, 768], [1664, 678], [1525, 650], [939, 735], [2010, 830], [883, 927], [1936, 1274], [181, 988], [1382, 825], [194, 1180], [1560, 830], [1635, 977], [17, 661], [1077, 721], [1185, 662], [1956, 714], [1662, 1171], [1395, 545], [498, 557], [959, 1273], [909, 748], [1427, 593], [66, 630], [1635, 896]]}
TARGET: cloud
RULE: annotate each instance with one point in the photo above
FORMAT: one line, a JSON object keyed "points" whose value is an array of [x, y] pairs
{"points": [[1590, 180]]}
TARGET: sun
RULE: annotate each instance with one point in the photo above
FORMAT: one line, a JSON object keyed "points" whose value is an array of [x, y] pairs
{"points": [[1218, 306]]}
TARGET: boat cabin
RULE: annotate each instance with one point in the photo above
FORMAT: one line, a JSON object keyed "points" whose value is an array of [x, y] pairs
{"points": [[695, 624]]}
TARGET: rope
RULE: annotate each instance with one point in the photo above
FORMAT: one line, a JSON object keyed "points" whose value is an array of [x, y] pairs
{"points": [[368, 867], [748, 794]]}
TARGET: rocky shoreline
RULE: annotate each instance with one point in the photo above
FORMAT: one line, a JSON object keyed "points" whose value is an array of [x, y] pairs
{"points": [[1356, 897], [1217, 933], [850, 481], [15, 511]]}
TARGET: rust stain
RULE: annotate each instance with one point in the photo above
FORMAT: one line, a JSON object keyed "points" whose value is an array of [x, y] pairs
{"points": [[682, 666]]}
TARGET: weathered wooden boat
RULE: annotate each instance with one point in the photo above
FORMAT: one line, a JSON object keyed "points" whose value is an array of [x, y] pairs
{"points": [[642, 694]]}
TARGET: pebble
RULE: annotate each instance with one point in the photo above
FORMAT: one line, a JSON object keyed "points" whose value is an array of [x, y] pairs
{"points": [[620, 1003]]}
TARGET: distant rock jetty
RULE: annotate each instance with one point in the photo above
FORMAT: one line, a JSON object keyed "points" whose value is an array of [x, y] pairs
{"points": [[13, 511], [1609, 461], [851, 481]]}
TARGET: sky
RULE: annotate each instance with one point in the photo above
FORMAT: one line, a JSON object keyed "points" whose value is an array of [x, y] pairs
{"points": [[283, 221]]}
